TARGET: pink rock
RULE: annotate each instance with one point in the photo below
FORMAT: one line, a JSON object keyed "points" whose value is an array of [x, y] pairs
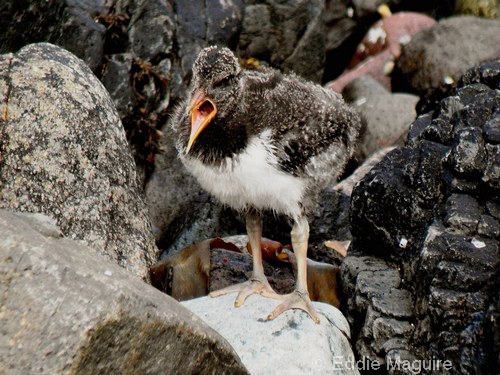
{"points": [[381, 46]]}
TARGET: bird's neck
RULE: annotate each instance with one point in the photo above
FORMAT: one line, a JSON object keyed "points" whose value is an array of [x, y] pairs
{"points": [[219, 141]]}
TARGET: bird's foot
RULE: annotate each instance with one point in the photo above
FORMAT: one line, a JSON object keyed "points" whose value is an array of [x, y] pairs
{"points": [[255, 285], [296, 300]]}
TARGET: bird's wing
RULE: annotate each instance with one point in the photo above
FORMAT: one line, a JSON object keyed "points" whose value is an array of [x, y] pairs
{"points": [[305, 120]]}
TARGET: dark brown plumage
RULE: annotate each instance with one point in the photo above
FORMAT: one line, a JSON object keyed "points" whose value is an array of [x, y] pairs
{"points": [[263, 140]]}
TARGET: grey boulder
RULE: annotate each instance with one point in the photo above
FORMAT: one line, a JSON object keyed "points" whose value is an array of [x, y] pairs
{"points": [[290, 344], [388, 115], [64, 153], [67, 311], [441, 54]]}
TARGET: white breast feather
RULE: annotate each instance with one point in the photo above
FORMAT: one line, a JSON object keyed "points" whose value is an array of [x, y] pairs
{"points": [[253, 178]]}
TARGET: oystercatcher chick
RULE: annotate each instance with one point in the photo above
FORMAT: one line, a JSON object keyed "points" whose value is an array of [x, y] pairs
{"points": [[261, 140]]}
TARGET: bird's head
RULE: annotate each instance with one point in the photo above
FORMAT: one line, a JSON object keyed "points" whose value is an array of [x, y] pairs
{"points": [[214, 74]]}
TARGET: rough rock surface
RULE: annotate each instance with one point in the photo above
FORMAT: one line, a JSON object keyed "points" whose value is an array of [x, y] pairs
{"points": [[379, 309], [63, 153], [347, 185], [450, 150], [430, 209], [441, 54], [66, 311], [289, 35], [340, 35], [388, 116], [66, 23], [290, 344], [173, 194]]}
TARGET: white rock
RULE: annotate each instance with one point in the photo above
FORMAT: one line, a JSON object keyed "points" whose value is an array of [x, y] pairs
{"points": [[290, 344]]}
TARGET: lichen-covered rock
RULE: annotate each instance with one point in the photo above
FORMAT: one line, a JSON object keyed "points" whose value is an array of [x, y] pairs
{"points": [[430, 210], [290, 344], [441, 54], [64, 153], [65, 310]]}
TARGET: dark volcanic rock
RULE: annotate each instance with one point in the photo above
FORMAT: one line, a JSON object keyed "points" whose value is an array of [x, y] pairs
{"points": [[340, 36], [430, 209], [63, 152], [388, 212], [463, 213], [441, 157], [469, 151], [200, 24]]}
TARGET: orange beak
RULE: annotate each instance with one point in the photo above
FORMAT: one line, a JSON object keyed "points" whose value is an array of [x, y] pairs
{"points": [[203, 110]]}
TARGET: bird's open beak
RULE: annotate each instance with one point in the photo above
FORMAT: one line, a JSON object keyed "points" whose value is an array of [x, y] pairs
{"points": [[202, 111]]}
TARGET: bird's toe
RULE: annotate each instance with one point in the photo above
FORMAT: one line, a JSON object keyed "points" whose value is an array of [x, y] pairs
{"points": [[246, 289], [296, 300]]}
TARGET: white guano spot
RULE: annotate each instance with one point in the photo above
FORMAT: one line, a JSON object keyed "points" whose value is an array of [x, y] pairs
{"points": [[477, 243], [448, 80], [375, 34], [403, 242]]}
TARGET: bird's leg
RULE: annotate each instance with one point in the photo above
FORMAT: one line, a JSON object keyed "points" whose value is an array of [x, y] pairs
{"points": [[258, 283], [299, 298]]}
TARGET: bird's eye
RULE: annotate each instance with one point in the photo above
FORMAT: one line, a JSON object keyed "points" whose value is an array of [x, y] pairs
{"points": [[221, 82]]}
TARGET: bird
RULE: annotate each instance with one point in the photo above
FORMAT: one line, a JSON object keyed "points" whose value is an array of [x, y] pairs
{"points": [[260, 140]]}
